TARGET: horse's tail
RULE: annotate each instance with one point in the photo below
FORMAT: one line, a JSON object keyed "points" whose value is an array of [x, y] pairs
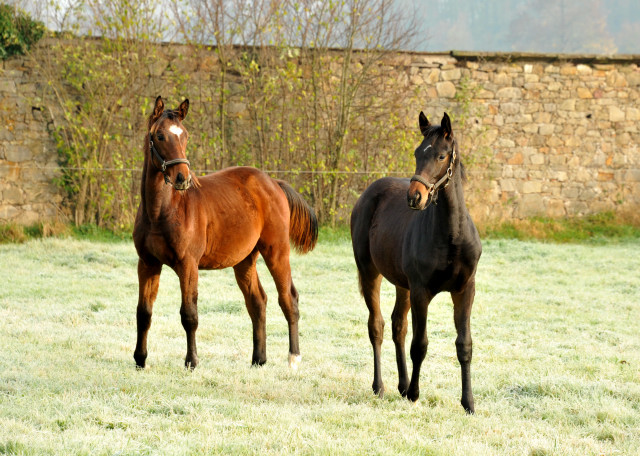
{"points": [[303, 224]]}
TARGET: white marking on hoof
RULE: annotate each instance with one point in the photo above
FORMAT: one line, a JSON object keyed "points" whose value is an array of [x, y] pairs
{"points": [[294, 361], [176, 130]]}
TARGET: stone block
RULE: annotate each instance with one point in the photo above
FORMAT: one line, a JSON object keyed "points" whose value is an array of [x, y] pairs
{"points": [[446, 89], [7, 86], [434, 76], [510, 108], [512, 93], [546, 129], [531, 205], [8, 212], [568, 70], [12, 195], [568, 105], [632, 175], [531, 187], [555, 208], [507, 185], [451, 75], [616, 114], [584, 70], [501, 79], [18, 153], [584, 93], [516, 159], [537, 159]]}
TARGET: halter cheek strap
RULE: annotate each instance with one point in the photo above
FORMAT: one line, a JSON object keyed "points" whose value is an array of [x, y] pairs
{"points": [[166, 164]]}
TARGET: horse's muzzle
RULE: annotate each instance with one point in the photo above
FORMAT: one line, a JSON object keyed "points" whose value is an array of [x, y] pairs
{"points": [[414, 200], [182, 183], [417, 201]]}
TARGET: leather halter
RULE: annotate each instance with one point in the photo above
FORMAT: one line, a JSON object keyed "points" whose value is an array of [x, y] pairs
{"points": [[166, 164], [445, 179]]}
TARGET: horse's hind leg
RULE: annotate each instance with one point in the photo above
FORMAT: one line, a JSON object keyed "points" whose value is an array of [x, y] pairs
{"points": [[148, 281], [399, 330], [370, 287], [462, 303], [276, 258], [256, 301]]}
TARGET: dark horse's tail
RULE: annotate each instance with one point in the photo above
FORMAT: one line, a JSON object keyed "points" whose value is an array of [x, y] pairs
{"points": [[303, 224]]}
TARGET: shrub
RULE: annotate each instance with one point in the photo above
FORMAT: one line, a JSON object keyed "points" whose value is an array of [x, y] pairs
{"points": [[18, 32]]}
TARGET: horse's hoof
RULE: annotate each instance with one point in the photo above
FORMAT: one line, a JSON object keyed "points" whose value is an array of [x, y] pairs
{"points": [[191, 364], [402, 389], [140, 361], [413, 395], [468, 407], [258, 362], [378, 390], [294, 361]]}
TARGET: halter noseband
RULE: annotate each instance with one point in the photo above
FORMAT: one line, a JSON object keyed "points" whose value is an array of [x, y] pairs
{"points": [[166, 164], [445, 179]]}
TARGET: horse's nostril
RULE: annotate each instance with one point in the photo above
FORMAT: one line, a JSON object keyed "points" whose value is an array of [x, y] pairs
{"points": [[179, 178], [414, 200]]}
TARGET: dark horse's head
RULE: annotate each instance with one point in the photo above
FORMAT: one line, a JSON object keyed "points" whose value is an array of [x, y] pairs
{"points": [[168, 144], [435, 161]]}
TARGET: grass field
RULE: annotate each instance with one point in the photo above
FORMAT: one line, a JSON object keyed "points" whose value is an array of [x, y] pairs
{"points": [[556, 366]]}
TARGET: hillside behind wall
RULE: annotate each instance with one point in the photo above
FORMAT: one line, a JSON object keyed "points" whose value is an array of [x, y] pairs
{"points": [[543, 134]]}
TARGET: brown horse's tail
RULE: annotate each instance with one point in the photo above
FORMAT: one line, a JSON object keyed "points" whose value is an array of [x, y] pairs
{"points": [[303, 224]]}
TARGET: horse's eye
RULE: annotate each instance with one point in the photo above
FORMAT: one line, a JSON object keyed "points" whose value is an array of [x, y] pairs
{"points": [[160, 137], [442, 157]]}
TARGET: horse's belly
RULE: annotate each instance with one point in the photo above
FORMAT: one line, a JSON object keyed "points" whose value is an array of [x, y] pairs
{"points": [[387, 257], [227, 254]]}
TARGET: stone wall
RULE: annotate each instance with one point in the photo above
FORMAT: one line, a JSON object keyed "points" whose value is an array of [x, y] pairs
{"points": [[551, 135], [562, 131], [28, 155]]}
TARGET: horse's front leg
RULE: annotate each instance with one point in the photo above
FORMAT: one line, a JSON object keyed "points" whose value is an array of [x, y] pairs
{"points": [[420, 300], [462, 303], [148, 281], [399, 331], [188, 274]]}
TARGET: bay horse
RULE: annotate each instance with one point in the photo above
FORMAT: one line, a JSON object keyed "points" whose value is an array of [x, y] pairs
{"points": [[224, 219], [418, 234]]}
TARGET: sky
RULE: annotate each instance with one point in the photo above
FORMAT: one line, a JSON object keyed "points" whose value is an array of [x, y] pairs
{"points": [[549, 26]]}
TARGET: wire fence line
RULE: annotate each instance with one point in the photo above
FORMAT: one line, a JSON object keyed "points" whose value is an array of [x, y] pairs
{"points": [[207, 171]]}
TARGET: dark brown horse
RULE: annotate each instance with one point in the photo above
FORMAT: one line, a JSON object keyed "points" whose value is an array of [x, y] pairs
{"points": [[424, 247], [221, 220]]}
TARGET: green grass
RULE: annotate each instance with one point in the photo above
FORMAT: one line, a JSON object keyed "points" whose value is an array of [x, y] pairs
{"points": [[598, 228], [556, 367]]}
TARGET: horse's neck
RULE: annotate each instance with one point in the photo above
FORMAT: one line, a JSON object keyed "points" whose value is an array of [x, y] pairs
{"points": [[451, 211], [156, 196]]}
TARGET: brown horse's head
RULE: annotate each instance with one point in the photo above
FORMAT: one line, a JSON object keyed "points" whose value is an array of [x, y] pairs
{"points": [[168, 144], [435, 161]]}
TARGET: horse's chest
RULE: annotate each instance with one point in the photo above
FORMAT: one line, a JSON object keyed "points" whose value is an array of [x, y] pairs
{"points": [[156, 245], [443, 273]]}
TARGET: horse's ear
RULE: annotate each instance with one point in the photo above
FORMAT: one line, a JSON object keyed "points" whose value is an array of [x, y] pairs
{"points": [[183, 109], [158, 109], [424, 122], [446, 126]]}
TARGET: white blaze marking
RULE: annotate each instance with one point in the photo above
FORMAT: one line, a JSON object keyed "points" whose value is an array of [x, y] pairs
{"points": [[175, 130]]}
